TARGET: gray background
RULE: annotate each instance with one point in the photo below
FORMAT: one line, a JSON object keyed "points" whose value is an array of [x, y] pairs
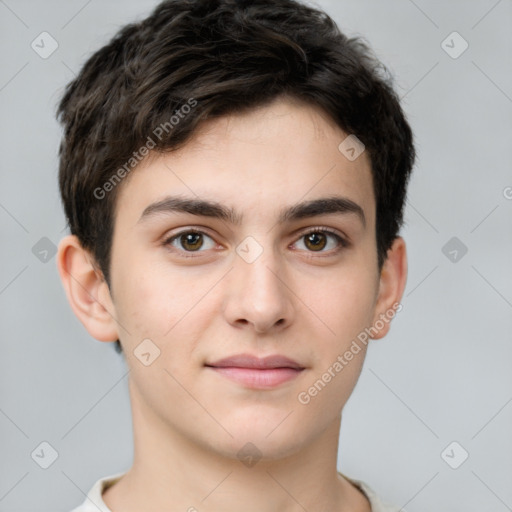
{"points": [[443, 374]]}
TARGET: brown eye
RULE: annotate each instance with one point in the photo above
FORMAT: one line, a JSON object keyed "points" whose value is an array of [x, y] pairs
{"points": [[191, 241], [315, 241], [320, 240]]}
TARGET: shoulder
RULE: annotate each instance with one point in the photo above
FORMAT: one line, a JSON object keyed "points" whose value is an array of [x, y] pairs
{"points": [[375, 501], [94, 501]]}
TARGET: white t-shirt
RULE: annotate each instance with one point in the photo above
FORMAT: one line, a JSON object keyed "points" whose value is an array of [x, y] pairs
{"points": [[94, 501]]}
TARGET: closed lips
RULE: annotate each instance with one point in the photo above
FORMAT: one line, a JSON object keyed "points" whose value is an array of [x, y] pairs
{"points": [[251, 362], [255, 373]]}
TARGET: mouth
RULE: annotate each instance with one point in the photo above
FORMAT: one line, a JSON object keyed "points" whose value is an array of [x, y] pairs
{"points": [[257, 373]]}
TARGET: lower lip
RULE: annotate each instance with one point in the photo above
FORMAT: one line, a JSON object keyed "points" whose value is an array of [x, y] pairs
{"points": [[259, 379]]}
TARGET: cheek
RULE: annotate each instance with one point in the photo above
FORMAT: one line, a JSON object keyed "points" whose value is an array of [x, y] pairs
{"points": [[345, 310], [345, 306], [166, 306], [143, 304]]}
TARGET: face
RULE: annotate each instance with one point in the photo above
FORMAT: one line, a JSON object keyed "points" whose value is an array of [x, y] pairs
{"points": [[203, 287]]}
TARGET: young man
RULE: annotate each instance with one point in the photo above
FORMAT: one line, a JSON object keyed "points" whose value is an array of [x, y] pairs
{"points": [[234, 174]]}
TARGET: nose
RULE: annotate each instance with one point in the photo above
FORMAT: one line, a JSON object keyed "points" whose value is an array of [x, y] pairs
{"points": [[258, 294]]}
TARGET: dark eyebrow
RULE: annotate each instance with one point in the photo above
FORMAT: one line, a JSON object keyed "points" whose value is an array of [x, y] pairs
{"points": [[193, 206], [322, 206], [204, 208]]}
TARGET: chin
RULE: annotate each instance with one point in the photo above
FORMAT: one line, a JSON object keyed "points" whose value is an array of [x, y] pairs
{"points": [[266, 438]]}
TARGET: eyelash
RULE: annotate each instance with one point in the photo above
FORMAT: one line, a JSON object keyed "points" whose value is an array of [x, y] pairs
{"points": [[343, 243]]}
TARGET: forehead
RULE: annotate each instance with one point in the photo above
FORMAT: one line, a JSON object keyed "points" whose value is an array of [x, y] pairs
{"points": [[255, 163]]}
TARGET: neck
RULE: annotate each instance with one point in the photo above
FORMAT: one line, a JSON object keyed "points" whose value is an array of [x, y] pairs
{"points": [[173, 472]]}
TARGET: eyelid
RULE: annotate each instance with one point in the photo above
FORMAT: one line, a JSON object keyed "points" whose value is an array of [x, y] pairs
{"points": [[169, 237], [340, 236], [324, 229]]}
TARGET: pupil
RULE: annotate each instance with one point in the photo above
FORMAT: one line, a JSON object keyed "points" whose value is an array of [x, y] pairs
{"points": [[317, 244], [189, 239]]}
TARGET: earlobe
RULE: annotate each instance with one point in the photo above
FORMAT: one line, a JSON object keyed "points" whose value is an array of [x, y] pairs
{"points": [[393, 278], [86, 290]]}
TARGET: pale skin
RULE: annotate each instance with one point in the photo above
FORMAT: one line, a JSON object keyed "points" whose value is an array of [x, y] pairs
{"points": [[189, 422]]}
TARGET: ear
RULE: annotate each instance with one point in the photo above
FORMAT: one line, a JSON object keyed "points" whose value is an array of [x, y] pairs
{"points": [[392, 281], [86, 290]]}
